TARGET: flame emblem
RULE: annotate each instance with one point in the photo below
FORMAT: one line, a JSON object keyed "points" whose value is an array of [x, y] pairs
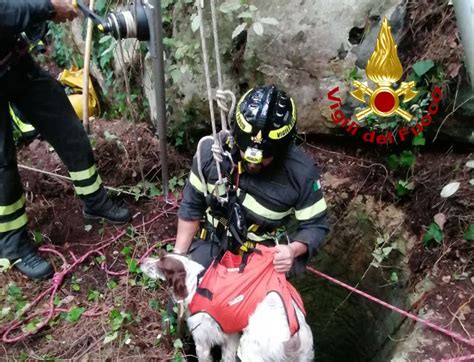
{"points": [[258, 138], [384, 69]]}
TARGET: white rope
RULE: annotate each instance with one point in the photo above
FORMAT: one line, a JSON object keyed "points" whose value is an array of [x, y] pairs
{"points": [[218, 59], [120, 191], [200, 5], [221, 98]]}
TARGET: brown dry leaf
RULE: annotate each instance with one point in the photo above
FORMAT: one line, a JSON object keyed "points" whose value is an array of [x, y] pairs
{"points": [[464, 312], [440, 220]]}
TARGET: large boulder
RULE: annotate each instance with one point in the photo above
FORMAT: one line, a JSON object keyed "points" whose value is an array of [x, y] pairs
{"points": [[310, 50]]}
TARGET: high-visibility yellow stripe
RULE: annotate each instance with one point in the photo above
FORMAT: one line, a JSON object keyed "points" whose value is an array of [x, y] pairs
{"points": [[87, 190], [311, 211], [255, 237], [252, 204], [239, 117], [212, 220], [221, 188], [195, 181], [14, 224], [10, 209], [83, 175], [23, 127]]}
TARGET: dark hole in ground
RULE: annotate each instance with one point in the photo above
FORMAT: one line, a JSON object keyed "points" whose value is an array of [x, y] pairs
{"points": [[355, 35]]}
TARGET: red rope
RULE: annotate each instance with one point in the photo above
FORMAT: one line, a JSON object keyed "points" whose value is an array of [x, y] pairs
{"points": [[57, 280], [398, 310]]}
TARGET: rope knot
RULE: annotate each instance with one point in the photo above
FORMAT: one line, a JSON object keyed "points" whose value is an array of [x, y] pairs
{"points": [[217, 152], [58, 279]]}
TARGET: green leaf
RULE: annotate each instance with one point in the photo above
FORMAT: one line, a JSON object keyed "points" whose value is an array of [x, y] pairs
{"points": [[100, 6], [258, 28], [153, 304], [31, 327], [403, 188], [245, 14], [111, 284], [423, 66], [4, 265], [74, 314], [126, 250], [109, 136], [407, 159], [392, 162], [195, 23], [37, 237], [240, 28], [269, 21], [110, 337], [433, 233], [76, 287], [153, 191], [419, 140], [386, 251], [133, 265], [93, 295], [105, 38], [178, 343], [394, 277], [229, 6], [469, 234]]}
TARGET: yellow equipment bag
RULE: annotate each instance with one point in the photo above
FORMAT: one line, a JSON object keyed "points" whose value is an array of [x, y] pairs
{"points": [[73, 78]]}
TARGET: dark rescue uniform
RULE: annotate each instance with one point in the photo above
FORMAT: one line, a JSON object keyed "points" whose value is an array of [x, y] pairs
{"points": [[287, 190], [43, 102]]}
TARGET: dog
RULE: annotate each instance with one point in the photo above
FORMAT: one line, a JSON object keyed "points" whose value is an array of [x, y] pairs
{"points": [[267, 336]]}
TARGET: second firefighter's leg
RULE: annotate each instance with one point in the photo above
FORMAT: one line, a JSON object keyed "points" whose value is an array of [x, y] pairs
{"points": [[15, 243], [47, 107]]}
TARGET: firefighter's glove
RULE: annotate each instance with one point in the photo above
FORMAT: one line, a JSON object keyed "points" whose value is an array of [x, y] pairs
{"points": [[284, 258]]}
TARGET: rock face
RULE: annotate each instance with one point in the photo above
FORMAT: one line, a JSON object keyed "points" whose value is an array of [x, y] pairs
{"points": [[309, 51], [313, 48]]}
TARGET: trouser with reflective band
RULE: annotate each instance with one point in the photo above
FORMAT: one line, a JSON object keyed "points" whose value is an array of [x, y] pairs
{"points": [[43, 102], [22, 125]]}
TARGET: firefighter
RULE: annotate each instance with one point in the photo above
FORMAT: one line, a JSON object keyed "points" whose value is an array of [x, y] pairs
{"points": [[274, 184], [42, 100]]}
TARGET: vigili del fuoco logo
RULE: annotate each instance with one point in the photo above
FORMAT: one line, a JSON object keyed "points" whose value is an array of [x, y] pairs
{"points": [[384, 100]]}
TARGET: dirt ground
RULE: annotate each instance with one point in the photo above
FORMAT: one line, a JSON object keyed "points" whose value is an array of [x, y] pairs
{"points": [[141, 333]]}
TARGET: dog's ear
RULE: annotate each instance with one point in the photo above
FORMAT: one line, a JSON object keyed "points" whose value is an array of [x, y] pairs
{"points": [[179, 285], [150, 267]]}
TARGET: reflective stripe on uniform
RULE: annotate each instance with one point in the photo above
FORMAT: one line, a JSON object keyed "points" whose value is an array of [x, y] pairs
{"points": [[250, 235], [214, 221], [10, 209], [311, 211], [22, 126], [87, 190], [255, 237], [18, 223], [195, 181], [83, 175], [253, 205]]}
